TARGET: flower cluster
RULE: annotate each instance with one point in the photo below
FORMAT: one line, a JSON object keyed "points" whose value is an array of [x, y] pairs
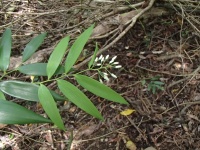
{"points": [[103, 64]]}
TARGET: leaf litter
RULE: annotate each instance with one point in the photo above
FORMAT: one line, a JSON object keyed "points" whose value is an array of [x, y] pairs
{"points": [[168, 119]]}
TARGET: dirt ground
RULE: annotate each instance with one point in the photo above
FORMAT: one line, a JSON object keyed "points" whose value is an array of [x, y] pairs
{"points": [[164, 48]]}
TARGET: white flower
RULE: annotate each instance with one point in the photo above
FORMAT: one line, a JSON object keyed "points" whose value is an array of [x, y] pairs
{"points": [[107, 56], [104, 73], [98, 64], [119, 66], [113, 59], [113, 75], [96, 59], [100, 80], [100, 57], [106, 78], [115, 63]]}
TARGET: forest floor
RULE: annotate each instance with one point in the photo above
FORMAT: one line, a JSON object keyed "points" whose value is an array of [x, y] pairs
{"points": [[160, 75]]}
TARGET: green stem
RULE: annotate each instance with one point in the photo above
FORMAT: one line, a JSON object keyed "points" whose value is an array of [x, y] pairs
{"points": [[70, 140]]}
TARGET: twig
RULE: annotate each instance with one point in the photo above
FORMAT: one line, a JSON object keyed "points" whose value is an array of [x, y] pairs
{"points": [[188, 103], [118, 9], [133, 21], [70, 141], [101, 136]]}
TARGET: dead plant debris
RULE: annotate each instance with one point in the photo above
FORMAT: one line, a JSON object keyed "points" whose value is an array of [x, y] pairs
{"points": [[151, 39]]}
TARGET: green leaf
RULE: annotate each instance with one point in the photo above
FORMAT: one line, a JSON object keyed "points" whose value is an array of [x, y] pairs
{"points": [[38, 69], [49, 105], [12, 113], [155, 78], [76, 48], [78, 98], [24, 90], [150, 86], [5, 50], [153, 89], [93, 57], [56, 56], [158, 83], [32, 46], [159, 87], [143, 82], [2, 96], [99, 89]]}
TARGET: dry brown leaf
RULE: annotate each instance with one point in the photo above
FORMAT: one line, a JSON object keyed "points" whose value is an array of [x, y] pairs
{"points": [[122, 19], [87, 130], [101, 29], [2, 126], [49, 137]]}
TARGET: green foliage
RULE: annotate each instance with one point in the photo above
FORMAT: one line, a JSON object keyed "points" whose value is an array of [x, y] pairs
{"points": [[49, 105], [153, 84], [5, 50], [78, 98], [76, 48], [32, 46], [56, 57], [2, 96], [12, 113], [91, 62], [99, 89], [24, 90], [39, 69]]}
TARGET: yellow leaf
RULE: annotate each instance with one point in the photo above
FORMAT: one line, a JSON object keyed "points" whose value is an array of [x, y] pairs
{"points": [[80, 59], [130, 145], [127, 112], [179, 20]]}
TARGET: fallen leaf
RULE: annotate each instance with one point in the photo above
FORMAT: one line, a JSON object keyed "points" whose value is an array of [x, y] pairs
{"points": [[149, 148], [2, 125], [86, 130], [49, 137], [127, 112], [130, 145]]}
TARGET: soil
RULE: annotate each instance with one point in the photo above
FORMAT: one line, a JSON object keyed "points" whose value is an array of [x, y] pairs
{"points": [[164, 49]]}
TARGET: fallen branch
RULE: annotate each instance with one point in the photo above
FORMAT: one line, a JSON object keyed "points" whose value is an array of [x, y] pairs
{"points": [[133, 21], [40, 55]]}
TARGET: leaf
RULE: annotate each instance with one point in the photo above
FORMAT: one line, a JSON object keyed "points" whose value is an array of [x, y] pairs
{"points": [[32, 46], [155, 78], [76, 48], [158, 83], [2, 96], [38, 69], [130, 145], [150, 148], [99, 89], [150, 86], [5, 50], [56, 56], [12, 113], [49, 105], [127, 112], [78, 98], [24, 90], [153, 89], [93, 57], [143, 82], [159, 87]]}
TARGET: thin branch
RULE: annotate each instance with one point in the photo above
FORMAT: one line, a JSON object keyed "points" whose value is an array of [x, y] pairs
{"points": [[133, 21]]}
